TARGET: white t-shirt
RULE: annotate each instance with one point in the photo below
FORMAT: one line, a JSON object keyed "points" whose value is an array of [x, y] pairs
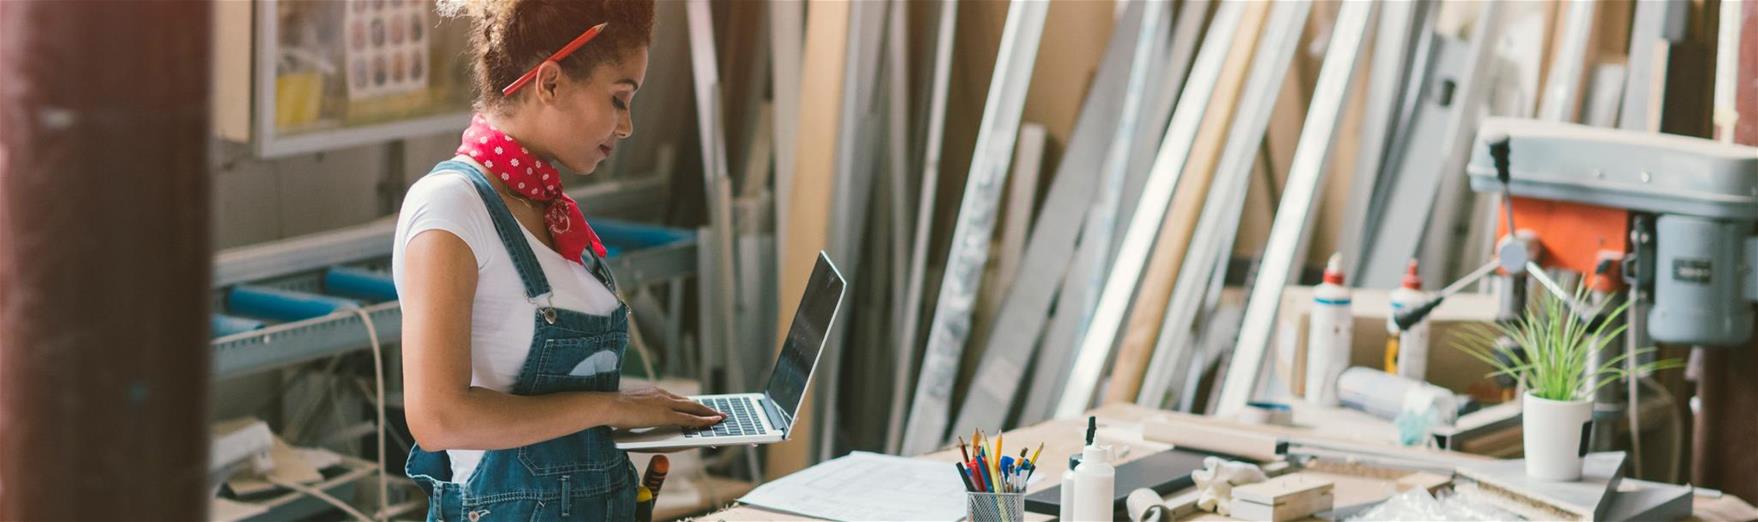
{"points": [[502, 319]]}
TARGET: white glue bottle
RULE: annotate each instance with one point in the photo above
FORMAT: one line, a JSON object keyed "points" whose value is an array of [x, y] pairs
{"points": [[1095, 485], [1409, 356], [1065, 510], [1330, 336]]}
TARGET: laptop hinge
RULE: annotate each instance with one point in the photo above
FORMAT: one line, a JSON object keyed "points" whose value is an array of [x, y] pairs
{"points": [[777, 418]]}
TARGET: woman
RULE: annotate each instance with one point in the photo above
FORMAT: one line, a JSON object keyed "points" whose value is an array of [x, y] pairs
{"points": [[513, 336]]}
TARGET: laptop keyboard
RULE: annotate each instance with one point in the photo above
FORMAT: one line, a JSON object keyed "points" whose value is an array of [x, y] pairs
{"points": [[741, 418]]}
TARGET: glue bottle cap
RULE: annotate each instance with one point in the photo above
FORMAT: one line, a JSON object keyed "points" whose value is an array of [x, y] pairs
{"points": [[1411, 279], [1334, 269], [1095, 453]]}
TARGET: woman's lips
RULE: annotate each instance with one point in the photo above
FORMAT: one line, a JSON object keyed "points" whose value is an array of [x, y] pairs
{"points": [[604, 149]]}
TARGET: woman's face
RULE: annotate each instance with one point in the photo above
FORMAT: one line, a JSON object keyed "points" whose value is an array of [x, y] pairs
{"points": [[580, 121]]}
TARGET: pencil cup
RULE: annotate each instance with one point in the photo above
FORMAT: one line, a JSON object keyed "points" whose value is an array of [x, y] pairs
{"points": [[1001, 507]]}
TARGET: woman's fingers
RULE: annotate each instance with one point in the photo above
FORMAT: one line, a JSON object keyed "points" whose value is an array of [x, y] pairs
{"points": [[694, 421], [693, 407]]}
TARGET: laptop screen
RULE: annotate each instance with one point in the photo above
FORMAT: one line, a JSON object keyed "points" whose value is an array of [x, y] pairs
{"points": [[805, 338]]}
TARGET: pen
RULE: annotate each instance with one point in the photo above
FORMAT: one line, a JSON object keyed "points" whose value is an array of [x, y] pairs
{"points": [[1006, 465], [963, 477], [991, 485]]}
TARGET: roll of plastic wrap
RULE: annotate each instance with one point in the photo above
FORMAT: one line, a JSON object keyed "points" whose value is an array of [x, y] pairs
{"points": [[360, 283], [223, 325], [282, 305]]}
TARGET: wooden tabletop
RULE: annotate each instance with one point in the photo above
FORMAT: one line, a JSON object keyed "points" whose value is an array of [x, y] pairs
{"points": [[1119, 426]]}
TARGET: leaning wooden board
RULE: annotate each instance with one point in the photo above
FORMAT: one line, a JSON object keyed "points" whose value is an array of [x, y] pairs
{"points": [[1142, 328], [807, 233]]}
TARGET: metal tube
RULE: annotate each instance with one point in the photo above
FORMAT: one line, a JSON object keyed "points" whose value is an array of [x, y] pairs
{"points": [[104, 260]]}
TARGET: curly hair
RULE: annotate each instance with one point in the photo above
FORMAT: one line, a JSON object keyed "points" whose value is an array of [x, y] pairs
{"points": [[510, 37]]}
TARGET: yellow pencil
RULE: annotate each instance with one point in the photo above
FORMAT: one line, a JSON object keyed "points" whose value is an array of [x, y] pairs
{"points": [[995, 462], [1034, 459]]}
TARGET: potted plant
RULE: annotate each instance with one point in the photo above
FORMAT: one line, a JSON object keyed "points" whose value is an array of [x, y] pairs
{"points": [[1549, 356]]}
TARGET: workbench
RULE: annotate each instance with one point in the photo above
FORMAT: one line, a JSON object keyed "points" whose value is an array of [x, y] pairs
{"points": [[1120, 426]]}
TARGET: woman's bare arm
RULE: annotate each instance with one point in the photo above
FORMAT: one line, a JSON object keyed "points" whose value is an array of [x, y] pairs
{"points": [[446, 412]]}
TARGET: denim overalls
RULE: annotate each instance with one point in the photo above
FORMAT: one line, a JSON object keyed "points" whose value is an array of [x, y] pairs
{"points": [[580, 476]]}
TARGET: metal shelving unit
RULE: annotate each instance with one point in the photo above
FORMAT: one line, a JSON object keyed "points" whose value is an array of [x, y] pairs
{"points": [[642, 255]]}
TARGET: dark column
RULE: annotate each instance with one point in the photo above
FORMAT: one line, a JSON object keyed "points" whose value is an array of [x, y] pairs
{"points": [[104, 259], [1727, 424]]}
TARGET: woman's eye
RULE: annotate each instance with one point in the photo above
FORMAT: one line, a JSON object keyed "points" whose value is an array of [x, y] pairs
{"points": [[618, 102]]}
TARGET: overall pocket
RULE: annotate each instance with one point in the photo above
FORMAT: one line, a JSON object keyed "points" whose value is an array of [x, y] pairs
{"points": [[592, 363]]}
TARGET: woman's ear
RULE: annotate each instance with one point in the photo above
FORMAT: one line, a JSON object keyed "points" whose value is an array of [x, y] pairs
{"points": [[549, 81]]}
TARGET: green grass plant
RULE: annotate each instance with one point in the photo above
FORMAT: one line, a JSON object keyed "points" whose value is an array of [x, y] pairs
{"points": [[1553, 345]]}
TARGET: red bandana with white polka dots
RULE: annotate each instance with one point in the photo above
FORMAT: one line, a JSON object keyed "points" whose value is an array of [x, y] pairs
{"points": [[532, 179]]}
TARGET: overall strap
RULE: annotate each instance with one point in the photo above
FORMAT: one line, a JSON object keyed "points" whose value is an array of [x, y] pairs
{"points": [[601, 270], [511, 233]]}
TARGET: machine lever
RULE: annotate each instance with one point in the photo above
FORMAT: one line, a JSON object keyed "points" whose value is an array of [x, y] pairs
{"points": [[1408, 318], [1555, 289]]}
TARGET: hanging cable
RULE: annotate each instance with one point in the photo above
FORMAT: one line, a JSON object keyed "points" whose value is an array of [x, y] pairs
{"points": [[378, 370]]}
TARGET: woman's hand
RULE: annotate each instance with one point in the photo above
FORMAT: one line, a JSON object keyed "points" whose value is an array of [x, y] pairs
{"points": [[648, 406]]}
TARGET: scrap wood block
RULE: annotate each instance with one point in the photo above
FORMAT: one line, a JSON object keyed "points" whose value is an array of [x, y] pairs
{"points": [[1428, 481], [1303, 507], [1286, 497], [1261, 447]]}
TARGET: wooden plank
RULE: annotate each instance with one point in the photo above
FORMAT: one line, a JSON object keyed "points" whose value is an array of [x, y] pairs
{"points": [[1014, 339], [934, 138], [1142, 327], [1568, 73], [1288, 232], [807, 232], [931, 407], [1198, 283], [1094, 346], [1022, 195]]}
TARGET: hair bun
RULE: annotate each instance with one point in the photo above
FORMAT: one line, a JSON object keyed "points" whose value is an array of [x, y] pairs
{"points": [[478, 9]]}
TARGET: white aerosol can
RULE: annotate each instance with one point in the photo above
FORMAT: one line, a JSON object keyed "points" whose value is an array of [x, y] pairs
{"points": [[1328, 340]]}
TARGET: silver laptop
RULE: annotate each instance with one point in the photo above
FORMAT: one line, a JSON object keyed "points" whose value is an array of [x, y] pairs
{"points": [[763, 418]]}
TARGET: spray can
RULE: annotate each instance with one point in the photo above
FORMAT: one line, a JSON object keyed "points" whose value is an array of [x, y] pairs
{"points": [[1328, 340], [1407, 349]]}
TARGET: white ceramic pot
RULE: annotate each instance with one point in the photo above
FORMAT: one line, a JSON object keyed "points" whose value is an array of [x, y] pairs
{"points": [[1556, 436]]}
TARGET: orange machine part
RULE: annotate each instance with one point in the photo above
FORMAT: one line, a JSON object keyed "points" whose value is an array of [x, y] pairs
{"points": [[1573, 236]]}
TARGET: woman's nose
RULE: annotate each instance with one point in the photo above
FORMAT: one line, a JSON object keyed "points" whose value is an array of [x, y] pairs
{"points": [[625, 126]]}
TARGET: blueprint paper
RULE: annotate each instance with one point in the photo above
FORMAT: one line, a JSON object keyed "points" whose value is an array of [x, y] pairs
{"points": [[867, 486]]}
